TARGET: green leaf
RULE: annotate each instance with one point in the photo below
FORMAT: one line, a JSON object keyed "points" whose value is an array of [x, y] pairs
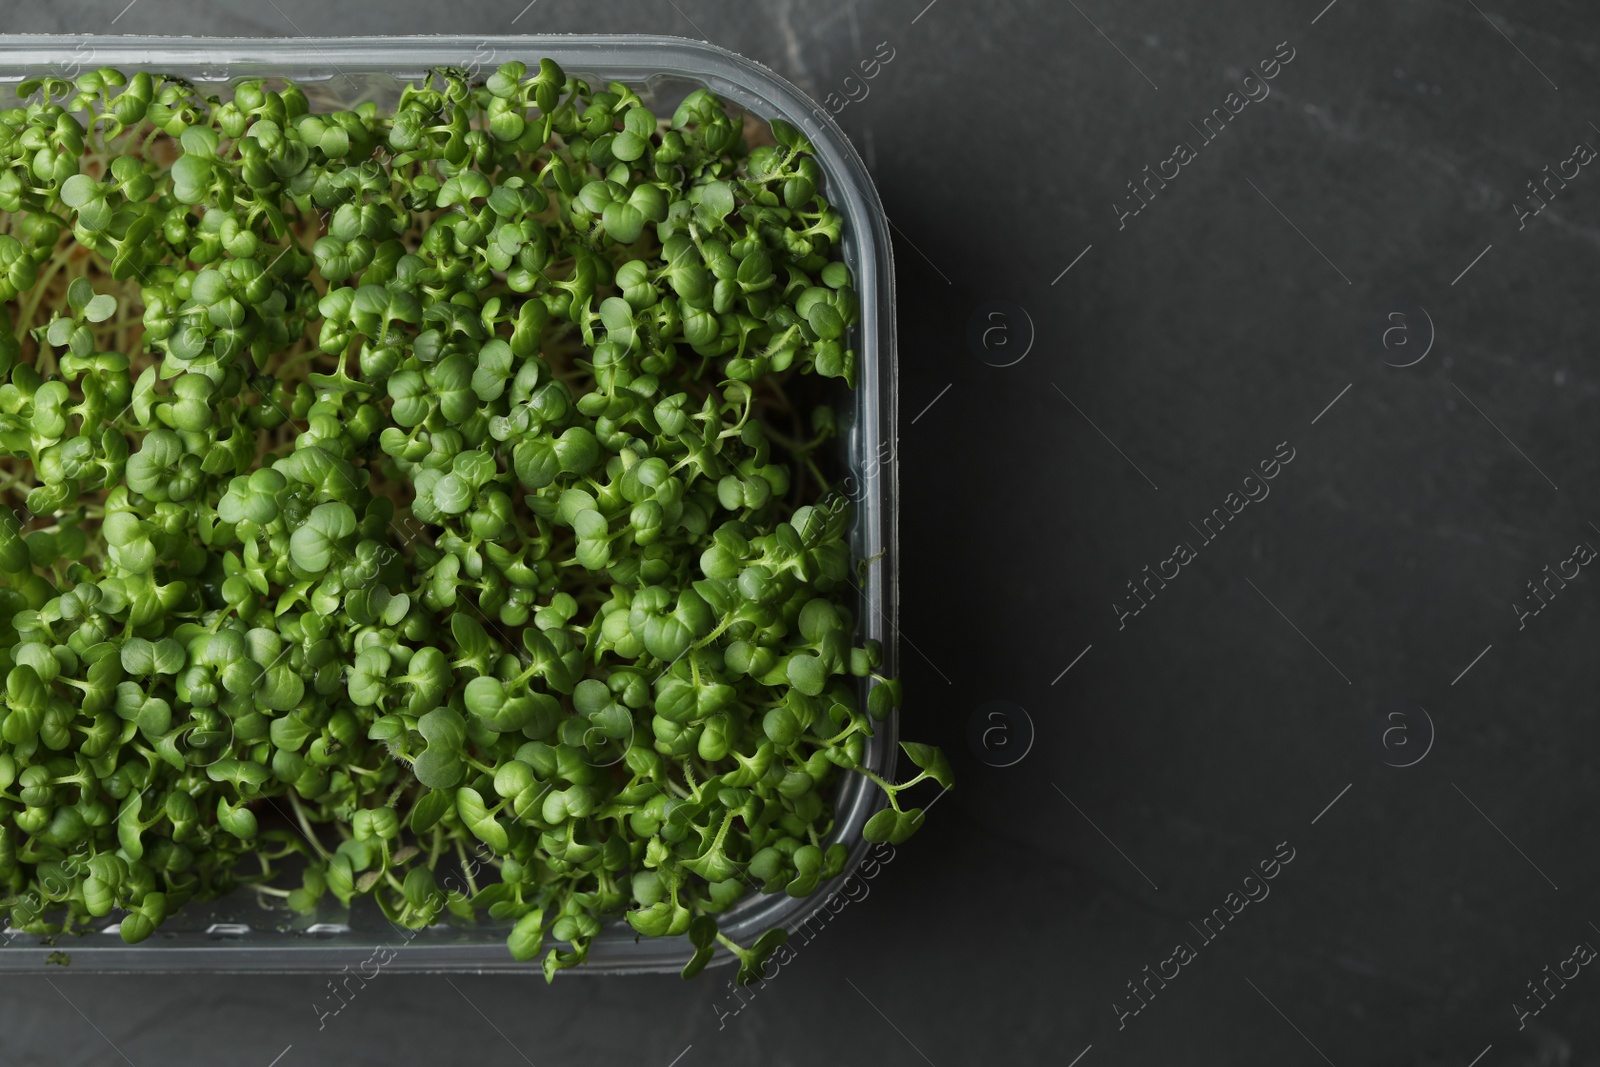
{"points": [[452, 495], [313, 545], [79, 293], [135, 927], [239, 821], [932, 760], [283, 689], [527, 936], [475, 816], [652, 921], [191, 175], [427, 811], [826, 320], [755, 958], [623, 222], [677, 702], [909, 823], [807, 673], [138, 657], [440, 766], [628, 146], [100, 308], [883, 699], [892, 826], [702, 935], [243, 774], [463, 188], [716, 200], [484, 695], [79, 190], [881, 826]]}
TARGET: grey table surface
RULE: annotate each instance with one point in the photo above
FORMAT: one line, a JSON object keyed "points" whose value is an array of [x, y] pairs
{"points": [[1353, 273]]}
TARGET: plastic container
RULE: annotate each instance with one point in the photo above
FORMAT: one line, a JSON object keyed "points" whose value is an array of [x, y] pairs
{"points": [[235, 934]]}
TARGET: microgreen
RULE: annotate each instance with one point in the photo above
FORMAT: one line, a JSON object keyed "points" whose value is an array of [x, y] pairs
{"points": [[398, 484]]}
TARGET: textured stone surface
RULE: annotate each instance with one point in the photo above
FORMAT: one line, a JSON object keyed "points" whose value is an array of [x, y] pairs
{"points": [[1214, 326]]}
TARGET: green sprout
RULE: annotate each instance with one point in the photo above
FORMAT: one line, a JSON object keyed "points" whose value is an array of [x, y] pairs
{"points": [[389, 486]]}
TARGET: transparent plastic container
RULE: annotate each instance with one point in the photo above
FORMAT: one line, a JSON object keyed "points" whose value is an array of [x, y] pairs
{"points": [[235, 933]]}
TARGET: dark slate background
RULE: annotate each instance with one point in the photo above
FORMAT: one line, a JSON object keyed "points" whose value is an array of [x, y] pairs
{"points": [[1179, 351]]}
